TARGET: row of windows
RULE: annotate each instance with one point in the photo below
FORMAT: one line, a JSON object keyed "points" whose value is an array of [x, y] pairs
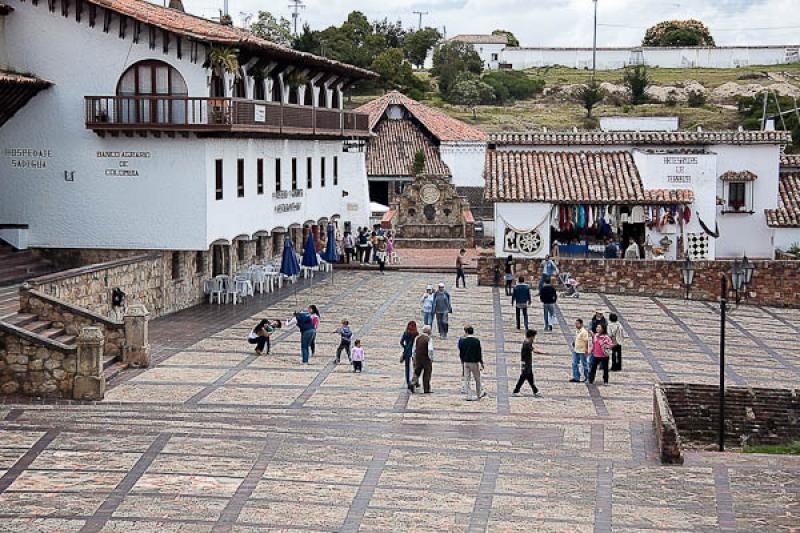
{"points": [[240, 175]]}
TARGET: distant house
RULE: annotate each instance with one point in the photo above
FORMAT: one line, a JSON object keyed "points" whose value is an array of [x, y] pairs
{"points": [[402, 127], [785, 219], [489, 47]]}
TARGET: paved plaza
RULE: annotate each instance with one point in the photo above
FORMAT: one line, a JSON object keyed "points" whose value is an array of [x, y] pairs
{"points": [[215, 438]]}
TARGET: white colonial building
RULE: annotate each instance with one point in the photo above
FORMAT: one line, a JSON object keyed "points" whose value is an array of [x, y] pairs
{"points": [[703, 194], [147, 139]]}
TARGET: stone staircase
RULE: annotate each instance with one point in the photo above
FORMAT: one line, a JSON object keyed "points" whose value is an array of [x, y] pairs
{"points": [[55, 332], [9, 300], [19, 265]]}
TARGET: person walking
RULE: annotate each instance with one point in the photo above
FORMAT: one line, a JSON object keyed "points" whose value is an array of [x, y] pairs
{"points": [[345, 336], [363, 245], [302, 319], [442, 308], [471, 355], [314, 311], [460, 268], [509, 274], [390, 247], [521, 299], [580, 347], [526, 369], [348, 243], [358, 357], [598, 318], [381, 254], [549, 270], [600, 352], [426, 303], [617, 334], [548, 296], [423, 360], [407, 342]]}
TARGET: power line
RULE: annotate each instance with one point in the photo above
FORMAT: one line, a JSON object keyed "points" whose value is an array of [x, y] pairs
{"points": [[420, 13], [296, 6]]}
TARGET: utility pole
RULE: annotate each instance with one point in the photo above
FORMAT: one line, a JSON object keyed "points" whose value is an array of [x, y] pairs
{"points": [[296, 6], [420, 13], [594, 44]]}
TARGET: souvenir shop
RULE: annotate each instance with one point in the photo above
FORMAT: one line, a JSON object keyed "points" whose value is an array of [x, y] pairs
{"points": [[584, 230]]}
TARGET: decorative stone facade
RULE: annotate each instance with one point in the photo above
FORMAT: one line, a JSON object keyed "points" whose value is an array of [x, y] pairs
{"points": [[752, 415], [430, 213], [31, 367], [775, 283]]}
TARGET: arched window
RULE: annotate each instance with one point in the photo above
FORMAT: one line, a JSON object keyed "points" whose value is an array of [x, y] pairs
{"points": [[145, 80]]}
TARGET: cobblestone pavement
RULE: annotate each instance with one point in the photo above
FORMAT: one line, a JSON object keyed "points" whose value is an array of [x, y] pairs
{"points": [[215, 438]]}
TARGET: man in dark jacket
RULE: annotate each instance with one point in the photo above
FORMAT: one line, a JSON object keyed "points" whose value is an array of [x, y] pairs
{"points": [[469, 351], [548, 297], [423, 360], [598, 318], [442, 308], [521, 298]]}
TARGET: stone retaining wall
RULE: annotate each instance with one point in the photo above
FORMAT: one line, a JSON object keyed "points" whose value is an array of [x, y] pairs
{"points": [[667, 438], [34, 367], [775, 283]]}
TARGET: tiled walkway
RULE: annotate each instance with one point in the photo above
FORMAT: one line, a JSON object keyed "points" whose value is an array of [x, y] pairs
{"points": [[215, 438]]}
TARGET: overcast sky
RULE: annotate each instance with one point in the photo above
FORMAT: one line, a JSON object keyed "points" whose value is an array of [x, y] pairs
{"points": [[551, 22]]}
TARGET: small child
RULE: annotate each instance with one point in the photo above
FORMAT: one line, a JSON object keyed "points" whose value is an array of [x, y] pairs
{"points": [[346, 335], [358, 356]]}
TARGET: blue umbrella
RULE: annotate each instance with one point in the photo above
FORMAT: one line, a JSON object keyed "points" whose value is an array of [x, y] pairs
{"points": [[310, 252], [330, 254], [289, 264]]}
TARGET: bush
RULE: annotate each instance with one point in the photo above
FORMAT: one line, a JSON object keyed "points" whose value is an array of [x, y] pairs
{"points": [[636, 80], [589, 96], [696, 98], [512, 85], [672, 99], [678, 33]]}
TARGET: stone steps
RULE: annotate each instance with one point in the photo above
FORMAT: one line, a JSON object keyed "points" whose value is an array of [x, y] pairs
{"points": [[9, 300], [20, 265], [41, 328]]}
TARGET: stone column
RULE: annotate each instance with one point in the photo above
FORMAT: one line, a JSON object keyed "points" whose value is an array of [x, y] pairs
{"points": [[136, 352], [90, 384]]}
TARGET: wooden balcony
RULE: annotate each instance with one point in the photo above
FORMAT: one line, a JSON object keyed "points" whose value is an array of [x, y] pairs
{"points": [[172, 115]]}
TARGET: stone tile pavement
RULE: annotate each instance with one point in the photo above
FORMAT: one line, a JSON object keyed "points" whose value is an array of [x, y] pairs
{"points": [[214, 438]]}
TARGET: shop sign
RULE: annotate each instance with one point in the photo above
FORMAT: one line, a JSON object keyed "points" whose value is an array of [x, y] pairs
{"points": [[260, 113], [25, 158], [120, 163], [286, 208]]}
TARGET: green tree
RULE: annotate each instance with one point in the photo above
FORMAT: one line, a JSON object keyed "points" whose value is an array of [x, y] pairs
{"points": [[389, 66], [678, 33], [224, 59], [418, 43], [268, 27], [751, 111], [307, 41], [589, 96], [637, 79], [452, 59], [470, 91], [512, 85], [418, 166], [512, 39]]}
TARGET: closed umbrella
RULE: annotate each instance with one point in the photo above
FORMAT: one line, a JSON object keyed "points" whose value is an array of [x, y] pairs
{"points": [[289, 265], [330, 254], [310, 256]]}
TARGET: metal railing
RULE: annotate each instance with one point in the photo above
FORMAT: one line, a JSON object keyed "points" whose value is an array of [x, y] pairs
{"points": [[184, 113]]}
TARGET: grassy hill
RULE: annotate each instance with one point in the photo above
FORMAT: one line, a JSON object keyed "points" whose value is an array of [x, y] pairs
{"points": [[557, 109]]}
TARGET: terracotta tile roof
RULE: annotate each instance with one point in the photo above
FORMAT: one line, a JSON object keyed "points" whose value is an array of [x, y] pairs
{"points": [[15, 91], [790, 160], [201, 29], [787, 215], [477, 38], [571, 177], [636, 138], [742, 175], [440, 125], [391, 151]]}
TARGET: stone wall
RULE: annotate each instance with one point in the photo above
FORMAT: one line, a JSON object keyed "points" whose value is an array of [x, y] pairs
{"points": [[775, 283], [667, 437], [72, 318], [33, 367], [752, 415]]}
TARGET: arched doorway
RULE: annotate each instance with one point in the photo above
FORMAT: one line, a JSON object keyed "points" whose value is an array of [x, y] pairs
{"points": [[151, 78]]}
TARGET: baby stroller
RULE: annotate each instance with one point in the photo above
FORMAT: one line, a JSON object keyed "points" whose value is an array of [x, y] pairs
{"points": [[569, 284]]}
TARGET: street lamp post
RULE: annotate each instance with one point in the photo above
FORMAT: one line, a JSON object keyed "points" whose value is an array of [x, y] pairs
{"points": [[723, 307], [687, 273], [594, 43]]}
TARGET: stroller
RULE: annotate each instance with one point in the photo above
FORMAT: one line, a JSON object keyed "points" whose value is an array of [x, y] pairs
{"points": [[569, 285]]}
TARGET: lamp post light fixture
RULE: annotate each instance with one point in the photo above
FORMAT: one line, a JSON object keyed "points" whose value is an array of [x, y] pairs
{"points": [[687, 273], [748, 268]]}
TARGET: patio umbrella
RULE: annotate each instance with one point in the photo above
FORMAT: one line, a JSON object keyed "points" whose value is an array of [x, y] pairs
{"points": [[330, 254], [289, 265], [310, 256]]}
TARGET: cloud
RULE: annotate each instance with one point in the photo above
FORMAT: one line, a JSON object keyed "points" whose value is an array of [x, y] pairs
{"points": [[553, 22]]}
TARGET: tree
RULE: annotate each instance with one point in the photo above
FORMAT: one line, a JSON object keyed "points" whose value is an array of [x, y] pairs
{"points": [[512, 85], [590, 95], [224, 59], [470, 91], [452, 59], [389, 66], [268, 27], [689, 32], [418, 43], [418, 166], [307, 41], [512, 40], [636, 80]]}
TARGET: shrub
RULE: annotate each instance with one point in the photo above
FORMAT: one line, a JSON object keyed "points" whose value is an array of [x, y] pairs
{"points": [[696, 98], [636, 80], [512, 85], [589, 96], [678, 33]]}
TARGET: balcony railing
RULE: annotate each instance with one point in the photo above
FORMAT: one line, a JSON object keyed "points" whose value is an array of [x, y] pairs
{"points": [[219, 115]]}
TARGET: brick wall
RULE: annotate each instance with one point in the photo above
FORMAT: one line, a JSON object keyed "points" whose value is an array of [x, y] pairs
{"points": [[752, 415], [775, 283]]}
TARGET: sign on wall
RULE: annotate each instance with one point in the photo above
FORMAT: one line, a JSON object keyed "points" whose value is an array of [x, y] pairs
{"points": [[28, 158], [680, 169], [259, 113], [527, 243], [122, 164]]}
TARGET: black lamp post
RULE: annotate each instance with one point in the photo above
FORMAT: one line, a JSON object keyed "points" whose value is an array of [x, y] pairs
{"points": [[741, 274]]}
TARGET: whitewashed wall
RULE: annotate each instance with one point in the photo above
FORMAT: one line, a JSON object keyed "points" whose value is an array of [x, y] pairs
{"points": [[522, 216], [466, 161]]}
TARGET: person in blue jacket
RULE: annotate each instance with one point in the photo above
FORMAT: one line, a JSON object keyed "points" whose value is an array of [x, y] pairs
{"points": [[303, 321], [521, 299]]}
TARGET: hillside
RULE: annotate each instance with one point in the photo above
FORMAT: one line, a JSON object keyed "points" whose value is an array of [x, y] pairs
{"points": [[557, 107]]}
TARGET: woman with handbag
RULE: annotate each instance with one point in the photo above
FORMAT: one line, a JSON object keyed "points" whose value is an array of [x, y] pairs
{"points": [[600, 351]]}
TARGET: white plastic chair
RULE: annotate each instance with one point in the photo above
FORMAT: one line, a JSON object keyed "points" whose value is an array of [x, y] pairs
{"points": [[259, 279], [214, 289]]}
